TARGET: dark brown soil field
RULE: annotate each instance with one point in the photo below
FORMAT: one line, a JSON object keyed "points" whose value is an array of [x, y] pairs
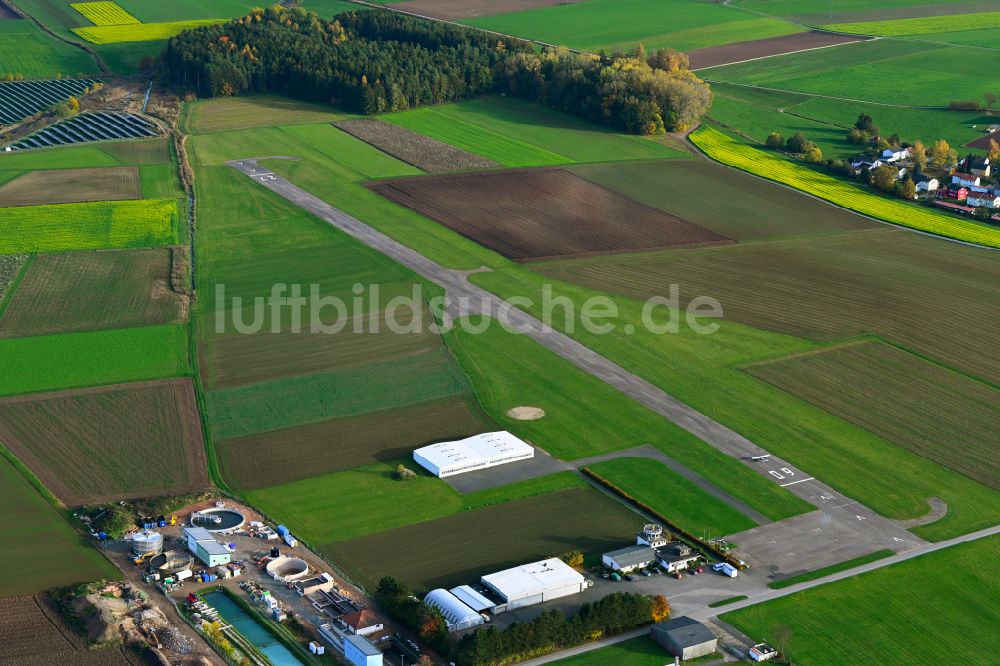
{"points": [[109, 443], [337, 444], [459, 9], [983, 142], [421, 151], [463, 547], [33, 634], [84, 291], [714, 56], [6, 12], [533, 214], [72, 186]]}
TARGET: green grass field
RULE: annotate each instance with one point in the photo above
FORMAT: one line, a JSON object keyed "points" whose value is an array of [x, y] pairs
{"points": [[887, 71], [346, 505], [935, 412], [610, 24], [635, 652], [117, 153], [160, 181], [935, 607], [439, 553], [670, 494], [81, 291], [585, 417], [74, 360], [919, 26], [43, 551], [518, 133], [88, 226], [26, 50], [232, 113], [831, 11]]}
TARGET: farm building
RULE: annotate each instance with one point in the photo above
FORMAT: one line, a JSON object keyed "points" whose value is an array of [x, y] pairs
{"points": [[478, 452], [535, 583], [456, 613], [360, 652], [629, 559], [676, 556], [685, 638], [203, 545], [363, 623]]}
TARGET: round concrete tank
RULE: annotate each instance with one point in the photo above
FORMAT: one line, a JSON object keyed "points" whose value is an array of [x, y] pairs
{"points": [[287, 568], [147, 542], [218, 519], [171, 562]]}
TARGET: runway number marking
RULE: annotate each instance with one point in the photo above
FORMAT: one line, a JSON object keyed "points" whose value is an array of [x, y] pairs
{"points": [[860, 517], [897, 539], [776, 475]]}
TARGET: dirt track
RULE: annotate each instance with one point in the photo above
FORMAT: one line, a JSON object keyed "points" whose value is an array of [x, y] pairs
{"points": [[531, 214], [713, 56]]}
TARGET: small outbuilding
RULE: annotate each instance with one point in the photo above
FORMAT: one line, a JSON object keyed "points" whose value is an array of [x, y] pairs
{"points": [[629, 559], [685, 638]]}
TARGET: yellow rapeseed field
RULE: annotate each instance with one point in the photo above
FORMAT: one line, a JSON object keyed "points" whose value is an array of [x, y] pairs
{"points": [[104, 13], [139, 32], [727, 150]]}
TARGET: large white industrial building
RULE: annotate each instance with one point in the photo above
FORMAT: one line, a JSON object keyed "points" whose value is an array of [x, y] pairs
{"points": [[535, 583], [477, 452], [456, 613]]}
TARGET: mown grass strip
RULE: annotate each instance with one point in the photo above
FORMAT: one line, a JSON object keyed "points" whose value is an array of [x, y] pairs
{"points": [[729, 151], [104, 13], [920, 26], [832, 569], [88, 226], [139, 32], [726, 602]]}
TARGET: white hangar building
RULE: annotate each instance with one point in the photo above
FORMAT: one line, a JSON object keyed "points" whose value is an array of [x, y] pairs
{"points": [[535, 583], [456, 612], [477, 452]]}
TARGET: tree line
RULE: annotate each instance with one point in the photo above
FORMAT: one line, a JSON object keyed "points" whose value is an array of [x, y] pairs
{"points": [[373, 61]]}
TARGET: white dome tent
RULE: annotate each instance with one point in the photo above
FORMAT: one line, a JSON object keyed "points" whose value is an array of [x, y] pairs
{"points": [[455, 612]]}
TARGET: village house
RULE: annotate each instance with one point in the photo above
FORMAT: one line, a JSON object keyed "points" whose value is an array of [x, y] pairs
{"points": [[956, 192], [928, 184], [890, 155], [980, 166], [964, 179], [980, 199]]}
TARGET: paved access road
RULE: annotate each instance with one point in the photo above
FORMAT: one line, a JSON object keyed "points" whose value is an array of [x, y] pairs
{"points": [[843, 525]]}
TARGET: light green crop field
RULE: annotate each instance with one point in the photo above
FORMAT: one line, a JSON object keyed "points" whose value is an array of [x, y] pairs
{"points": [[919, 26], [980, 38], [887, 71], [73, 157], [608, 24], [831, 11], [88, 226], [518, 133], [341, 506], [104, 13], [232, 113], [852, 196], [74, 360], [932, 411], [48, 554], [140, 32], [932, 608], [26, 50], [670, 494], [160, 181], [586, 417]]}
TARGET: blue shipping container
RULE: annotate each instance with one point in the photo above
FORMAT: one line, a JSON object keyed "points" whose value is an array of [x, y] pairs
{"points": [[282, 530]]}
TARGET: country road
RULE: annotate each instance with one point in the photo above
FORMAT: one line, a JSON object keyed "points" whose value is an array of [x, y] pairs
{"points": [[841, 529]]}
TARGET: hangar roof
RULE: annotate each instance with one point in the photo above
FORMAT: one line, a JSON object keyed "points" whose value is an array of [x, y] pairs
{"points": [[484, 447], [530, 579]]}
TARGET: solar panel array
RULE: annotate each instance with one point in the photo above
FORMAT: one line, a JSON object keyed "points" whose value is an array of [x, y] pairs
{"points": [[98, 126], [20, 99]]}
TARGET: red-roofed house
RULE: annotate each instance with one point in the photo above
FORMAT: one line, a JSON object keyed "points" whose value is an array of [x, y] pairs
{"points": [[364, 622], [964, 179]]}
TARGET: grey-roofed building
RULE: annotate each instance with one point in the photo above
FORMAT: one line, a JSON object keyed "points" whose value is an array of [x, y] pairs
{"points": [[685, 638], [675, 556], [629, 559]]}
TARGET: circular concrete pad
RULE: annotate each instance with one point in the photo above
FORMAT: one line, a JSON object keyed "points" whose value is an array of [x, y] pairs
{"points": [[525, 413]]}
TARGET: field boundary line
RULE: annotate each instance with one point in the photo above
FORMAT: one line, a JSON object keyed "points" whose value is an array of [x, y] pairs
{"points": [[861, 38]]}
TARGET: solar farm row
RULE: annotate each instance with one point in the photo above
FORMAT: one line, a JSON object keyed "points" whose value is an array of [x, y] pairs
{"points": [[20, 99], [101, 126]]}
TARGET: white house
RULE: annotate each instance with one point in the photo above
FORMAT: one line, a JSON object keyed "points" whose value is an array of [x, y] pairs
{"points": [[928, 185], [895, 154], [965, 179], [980, 166], [676, 556], [629, 559], [866, 162], [987, 199]]}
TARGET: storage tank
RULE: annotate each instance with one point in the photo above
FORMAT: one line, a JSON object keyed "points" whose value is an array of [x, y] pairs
{"points": [[147, 542]]}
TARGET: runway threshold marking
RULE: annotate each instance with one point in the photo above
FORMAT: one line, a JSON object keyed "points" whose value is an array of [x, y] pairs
{"points": [[792, 483]]}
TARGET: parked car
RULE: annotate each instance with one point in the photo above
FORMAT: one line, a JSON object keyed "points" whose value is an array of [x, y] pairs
{"points": [[678, 575], [630, 578], [647, 572], [699, 570]]}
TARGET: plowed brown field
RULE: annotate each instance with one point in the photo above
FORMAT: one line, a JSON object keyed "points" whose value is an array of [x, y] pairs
{"points": [[536, 213]]}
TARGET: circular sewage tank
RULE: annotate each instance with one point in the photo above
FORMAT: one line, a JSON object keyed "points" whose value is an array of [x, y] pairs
{"points": [[171, 562], [287, 568], [218, 520], [144, 543]]}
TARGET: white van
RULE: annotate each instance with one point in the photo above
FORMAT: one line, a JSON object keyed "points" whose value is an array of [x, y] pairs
{"points": [[726, 569]]}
